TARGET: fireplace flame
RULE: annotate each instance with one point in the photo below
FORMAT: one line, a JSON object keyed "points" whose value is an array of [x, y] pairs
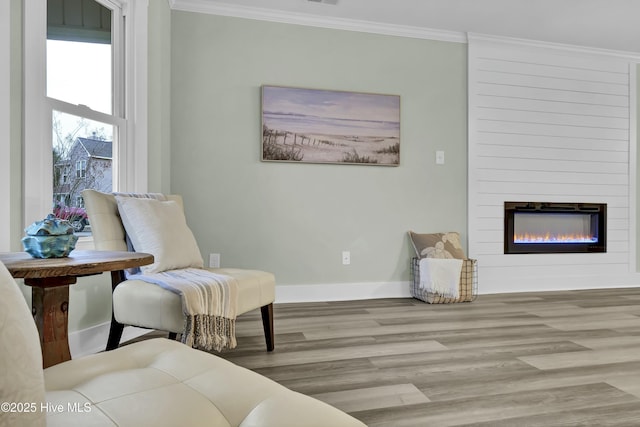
{"points": [[553, 238]]}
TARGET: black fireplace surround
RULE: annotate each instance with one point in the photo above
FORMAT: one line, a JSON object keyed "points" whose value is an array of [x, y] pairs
{"points": [[541, 227]]}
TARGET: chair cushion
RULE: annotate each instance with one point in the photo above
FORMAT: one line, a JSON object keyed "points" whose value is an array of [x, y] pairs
{"points": [[20, 358], [160, 228], [147, 305], [160, 382], [437, 245]]}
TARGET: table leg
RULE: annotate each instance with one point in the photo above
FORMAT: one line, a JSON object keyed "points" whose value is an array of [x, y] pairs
{"points": [[50, 306]]}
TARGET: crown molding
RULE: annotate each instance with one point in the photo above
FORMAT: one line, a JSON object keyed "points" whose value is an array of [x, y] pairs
{"points": [[225, 9], [584, 50], [214, 7]]}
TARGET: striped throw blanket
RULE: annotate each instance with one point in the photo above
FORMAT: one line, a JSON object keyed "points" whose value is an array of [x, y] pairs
{"points": [[209, 302]]}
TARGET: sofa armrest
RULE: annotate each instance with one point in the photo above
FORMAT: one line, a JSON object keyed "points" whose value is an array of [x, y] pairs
{"points": [[293, 409]]}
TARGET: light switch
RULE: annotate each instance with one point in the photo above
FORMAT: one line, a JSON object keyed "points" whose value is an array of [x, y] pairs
{"points": [[439, 157]]}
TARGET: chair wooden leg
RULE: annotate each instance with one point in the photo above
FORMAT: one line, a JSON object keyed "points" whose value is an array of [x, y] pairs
{"points": [[115, 334], [115, 331], [267, 324]]}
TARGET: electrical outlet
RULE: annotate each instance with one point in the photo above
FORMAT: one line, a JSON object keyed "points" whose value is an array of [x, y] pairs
{"points": [[439, 157], [346, 257], [214, 260]]}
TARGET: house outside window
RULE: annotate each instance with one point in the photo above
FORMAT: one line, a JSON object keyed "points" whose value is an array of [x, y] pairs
{"points": [[93, 169]]}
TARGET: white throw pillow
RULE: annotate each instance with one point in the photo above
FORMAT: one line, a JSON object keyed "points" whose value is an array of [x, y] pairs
{"points": [[160, 228]]}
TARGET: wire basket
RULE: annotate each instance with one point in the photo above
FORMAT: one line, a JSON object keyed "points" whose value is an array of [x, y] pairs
{"points": [[468, 284]]}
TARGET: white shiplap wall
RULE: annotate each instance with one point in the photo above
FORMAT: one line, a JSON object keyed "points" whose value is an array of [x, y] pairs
{"points": [[549, 124]]}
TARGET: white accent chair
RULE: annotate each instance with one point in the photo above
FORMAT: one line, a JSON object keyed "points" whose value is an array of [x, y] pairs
{"points": [[146, 305], [158, 382]]}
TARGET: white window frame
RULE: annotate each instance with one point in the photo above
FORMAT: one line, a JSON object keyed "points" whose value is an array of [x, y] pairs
{"points": [[131, 173], [5, 124]]}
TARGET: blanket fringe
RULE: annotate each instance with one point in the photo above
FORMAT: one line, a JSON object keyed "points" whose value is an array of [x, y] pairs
{"points": [[208, 332]]}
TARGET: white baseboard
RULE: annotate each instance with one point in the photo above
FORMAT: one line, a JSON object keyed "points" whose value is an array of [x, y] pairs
{"points": [[498, 284], [341, 291], [94, 339]]}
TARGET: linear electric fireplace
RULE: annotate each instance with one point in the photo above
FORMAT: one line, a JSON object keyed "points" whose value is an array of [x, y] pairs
{"points": [[538, 227]]}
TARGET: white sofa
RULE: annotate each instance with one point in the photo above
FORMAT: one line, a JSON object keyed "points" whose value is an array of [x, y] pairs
{"points": [[156, 383]]}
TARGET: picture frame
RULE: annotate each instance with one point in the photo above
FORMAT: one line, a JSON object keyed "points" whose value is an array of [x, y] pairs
{"points": [[303, 125]]}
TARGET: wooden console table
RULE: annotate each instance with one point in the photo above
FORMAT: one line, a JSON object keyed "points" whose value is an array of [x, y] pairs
{"points": [[50, 278]]}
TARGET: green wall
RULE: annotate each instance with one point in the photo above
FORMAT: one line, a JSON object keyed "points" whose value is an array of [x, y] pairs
{"points": [[159, 86], [296, 219]]}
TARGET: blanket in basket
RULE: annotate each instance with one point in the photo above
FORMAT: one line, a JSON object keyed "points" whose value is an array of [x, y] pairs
{"points": [[209, 302], [441, 276]]}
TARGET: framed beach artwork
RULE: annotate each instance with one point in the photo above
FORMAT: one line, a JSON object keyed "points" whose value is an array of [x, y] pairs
{"points": [[327, 126]]}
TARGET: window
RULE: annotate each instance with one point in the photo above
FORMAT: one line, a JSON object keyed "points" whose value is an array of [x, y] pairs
{"points": [[83, 59], [87, 145], [70, 128], [83, 70], [81, 169], [61, 171]]}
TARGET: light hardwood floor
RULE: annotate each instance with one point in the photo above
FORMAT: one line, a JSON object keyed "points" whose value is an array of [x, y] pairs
{"points": [[529, 359]]}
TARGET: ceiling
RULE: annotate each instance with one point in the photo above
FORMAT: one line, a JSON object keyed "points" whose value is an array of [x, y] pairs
{"points": [[605, 24]]}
